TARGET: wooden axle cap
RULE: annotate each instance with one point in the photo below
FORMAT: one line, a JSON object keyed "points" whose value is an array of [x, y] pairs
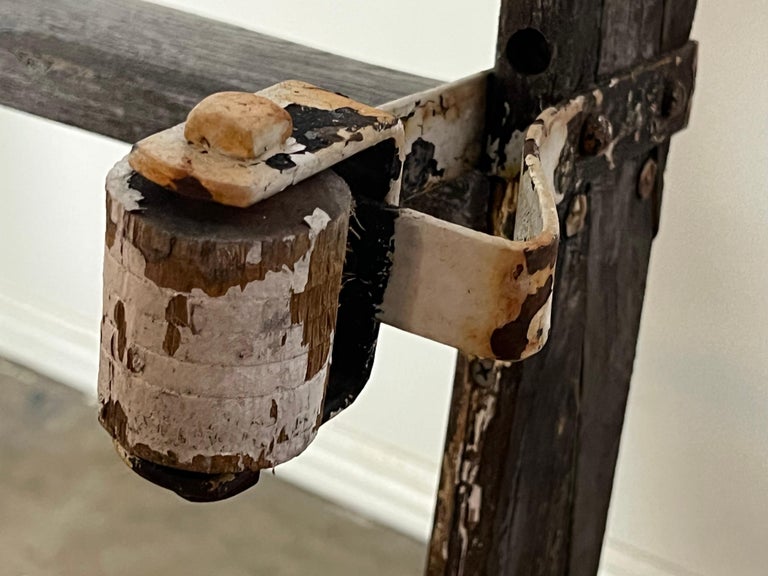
{"points": [[238, 124]]}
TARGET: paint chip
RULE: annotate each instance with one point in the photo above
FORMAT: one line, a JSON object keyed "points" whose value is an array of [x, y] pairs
{"points": [[117, 184], [317, 221]]}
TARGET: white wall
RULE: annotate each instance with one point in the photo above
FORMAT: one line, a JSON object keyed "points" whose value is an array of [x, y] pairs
{"points": [[691, 494]]}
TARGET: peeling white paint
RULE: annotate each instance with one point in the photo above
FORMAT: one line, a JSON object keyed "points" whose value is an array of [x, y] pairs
{"points": [[451, 117], [254, 254], [551, 136], [317, 221], [117, 184]]}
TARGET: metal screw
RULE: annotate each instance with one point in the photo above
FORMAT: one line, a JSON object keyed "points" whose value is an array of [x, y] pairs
{"points": [[596, 134], [577, 215], [482, 372], [674, 99], [647, 181]]}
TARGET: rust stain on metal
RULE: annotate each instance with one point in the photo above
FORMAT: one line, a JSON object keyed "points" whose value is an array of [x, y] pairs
{"points": [[443, 132], [511, 340], [539, 257], [596, 135]]}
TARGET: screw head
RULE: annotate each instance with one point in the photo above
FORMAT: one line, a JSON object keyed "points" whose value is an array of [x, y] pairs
{"points": [[240, 125], [647, 182], [596, 134], [674, 99]]}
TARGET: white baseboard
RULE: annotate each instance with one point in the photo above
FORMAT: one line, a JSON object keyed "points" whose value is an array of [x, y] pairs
{"points": [[362, 474], [623, 559], [49, 344], [342, 465]]}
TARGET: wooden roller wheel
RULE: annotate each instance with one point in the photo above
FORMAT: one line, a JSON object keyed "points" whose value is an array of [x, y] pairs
{"points": [[218, 323]]}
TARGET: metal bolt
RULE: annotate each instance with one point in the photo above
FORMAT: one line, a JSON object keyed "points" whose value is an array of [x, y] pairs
{"points": [[647, 181], [596, 134], [577, 215]]}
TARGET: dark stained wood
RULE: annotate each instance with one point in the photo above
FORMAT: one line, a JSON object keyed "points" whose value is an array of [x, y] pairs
{"points": [[463, 200], [127, 68], [678, 20], [632, 31], [520, 450], [623, 224], [621, 231], [572, 31], [531, 449]]}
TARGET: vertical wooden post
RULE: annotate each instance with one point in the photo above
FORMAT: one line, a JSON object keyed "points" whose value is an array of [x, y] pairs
{"points": [[531, 448]]}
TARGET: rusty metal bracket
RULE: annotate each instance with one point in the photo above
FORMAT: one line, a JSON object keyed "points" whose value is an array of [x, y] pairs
{"points": [[445, 282], [252, 309]]}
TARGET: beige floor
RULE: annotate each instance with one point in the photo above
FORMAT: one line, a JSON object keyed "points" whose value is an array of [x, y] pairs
{"points": [[69, 507]]}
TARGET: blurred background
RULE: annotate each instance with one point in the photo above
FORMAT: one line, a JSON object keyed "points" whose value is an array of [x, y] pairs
{"points": [[691, 491]]}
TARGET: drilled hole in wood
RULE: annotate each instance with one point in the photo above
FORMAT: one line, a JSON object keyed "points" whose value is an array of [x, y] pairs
{"points": [[528, 51]]}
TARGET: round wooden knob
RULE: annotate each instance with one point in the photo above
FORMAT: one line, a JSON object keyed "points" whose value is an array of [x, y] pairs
{"points": [[238, 124], [218, 322]]}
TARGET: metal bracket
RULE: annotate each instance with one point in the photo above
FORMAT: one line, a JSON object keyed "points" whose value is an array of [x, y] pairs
{"points": [[485, 295], [488, 295]]}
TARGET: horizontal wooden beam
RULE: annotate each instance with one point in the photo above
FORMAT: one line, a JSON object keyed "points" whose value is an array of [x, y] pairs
{"points": [[128, 68]]}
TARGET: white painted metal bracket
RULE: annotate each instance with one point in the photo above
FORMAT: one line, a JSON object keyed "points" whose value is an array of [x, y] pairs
{"points": [[231, 334], [326, 128], [486, 295]]}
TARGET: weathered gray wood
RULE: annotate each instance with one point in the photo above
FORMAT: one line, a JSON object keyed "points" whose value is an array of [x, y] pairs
{"points": [[531, 448], [127, 68]]}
